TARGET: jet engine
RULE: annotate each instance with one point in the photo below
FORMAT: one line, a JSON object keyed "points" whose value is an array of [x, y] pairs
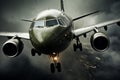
{"points": [[12, 47], [99, 41]]}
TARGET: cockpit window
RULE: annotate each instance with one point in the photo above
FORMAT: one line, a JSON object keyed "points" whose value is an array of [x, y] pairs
{"points": [[61, 22], [48, 23], [51, 22], [40, 23]]}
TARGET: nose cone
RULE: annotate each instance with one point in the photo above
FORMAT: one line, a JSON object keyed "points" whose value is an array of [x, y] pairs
{"points": [[47, 34]]}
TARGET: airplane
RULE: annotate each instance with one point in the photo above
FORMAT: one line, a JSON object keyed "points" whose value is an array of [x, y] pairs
{"points": [[51, 32]]}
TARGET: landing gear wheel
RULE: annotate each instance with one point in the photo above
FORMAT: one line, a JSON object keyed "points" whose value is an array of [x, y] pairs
{"points": [[80, 46], [39, 54], [33, 52], [74, 47], [58, 66], [52, 67]]}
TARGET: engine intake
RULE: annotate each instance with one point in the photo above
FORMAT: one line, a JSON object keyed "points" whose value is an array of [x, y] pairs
{"points": [[100, 42], [12, 47]]}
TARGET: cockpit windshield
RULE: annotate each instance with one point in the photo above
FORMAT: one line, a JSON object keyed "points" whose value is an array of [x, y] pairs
{"points": [[40, 23], [47, 23], [51, 22]]}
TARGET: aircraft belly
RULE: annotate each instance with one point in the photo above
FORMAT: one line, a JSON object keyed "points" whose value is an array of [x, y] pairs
{"points": [[50, 40]]}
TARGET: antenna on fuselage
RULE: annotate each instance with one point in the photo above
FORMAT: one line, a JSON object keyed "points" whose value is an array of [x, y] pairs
{"points": [[62, 5]]}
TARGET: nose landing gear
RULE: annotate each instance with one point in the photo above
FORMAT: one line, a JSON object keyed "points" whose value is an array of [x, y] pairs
{"points": [[55, 65]]}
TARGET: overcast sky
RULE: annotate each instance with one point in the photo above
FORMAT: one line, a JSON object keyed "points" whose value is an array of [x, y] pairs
{"points": [[76, 65]]}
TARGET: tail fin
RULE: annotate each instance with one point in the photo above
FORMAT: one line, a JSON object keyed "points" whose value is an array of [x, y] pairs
{"points": [[62, 5]]}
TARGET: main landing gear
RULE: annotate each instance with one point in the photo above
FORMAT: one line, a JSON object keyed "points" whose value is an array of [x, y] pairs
{"points": [[55, 65], [77, 45], [33, 52]]}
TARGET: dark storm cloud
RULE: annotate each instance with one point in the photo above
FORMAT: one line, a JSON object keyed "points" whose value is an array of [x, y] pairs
{"points": [[21, 69], [84, 65], [109, 70]]}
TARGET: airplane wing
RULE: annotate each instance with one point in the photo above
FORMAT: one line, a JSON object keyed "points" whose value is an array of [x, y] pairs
{"points": [[12, 34], [82, 31]]}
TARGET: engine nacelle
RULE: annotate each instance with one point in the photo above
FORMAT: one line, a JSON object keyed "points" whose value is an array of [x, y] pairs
{"points": [[100, 42], [12, 47]]}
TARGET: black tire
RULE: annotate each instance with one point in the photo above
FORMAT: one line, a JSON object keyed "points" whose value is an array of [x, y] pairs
{"points": [[39, 54], [52, 67], [32, 52], [80, 46], [58, 67], [74, 47]]}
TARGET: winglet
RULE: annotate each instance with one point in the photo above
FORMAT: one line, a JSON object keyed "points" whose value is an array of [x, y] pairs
{"points": [[85, 15], [62, 5]]}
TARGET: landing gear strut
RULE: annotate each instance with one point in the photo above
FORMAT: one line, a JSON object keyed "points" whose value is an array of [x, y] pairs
{"points": [[33, 52], [55, 65], [78, 45]]}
